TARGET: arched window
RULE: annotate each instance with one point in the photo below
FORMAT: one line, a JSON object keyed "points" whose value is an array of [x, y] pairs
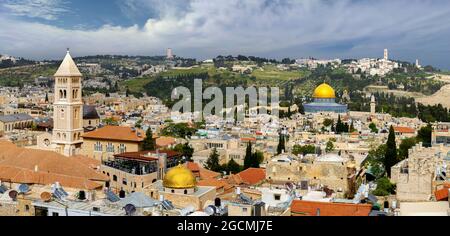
{"points": [[65, 94], [61, 94]]}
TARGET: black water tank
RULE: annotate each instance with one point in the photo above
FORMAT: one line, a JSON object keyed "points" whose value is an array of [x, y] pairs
{"points": [[82, 195], [122, 194], [217, 202]]}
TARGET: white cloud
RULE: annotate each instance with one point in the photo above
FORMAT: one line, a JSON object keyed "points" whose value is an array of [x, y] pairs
{"points": [[205, 28], [44, 9]]}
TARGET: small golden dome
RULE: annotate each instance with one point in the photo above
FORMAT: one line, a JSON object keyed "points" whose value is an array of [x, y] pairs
{"points": [[324, 91], [179, 177]]}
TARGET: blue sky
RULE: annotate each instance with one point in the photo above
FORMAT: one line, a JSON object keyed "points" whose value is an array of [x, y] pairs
{"points": [[410, 29]]}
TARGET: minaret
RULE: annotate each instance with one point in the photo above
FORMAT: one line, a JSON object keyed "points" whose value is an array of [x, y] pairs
{"points": [[373, 105], [386, 54], [68, 108]]}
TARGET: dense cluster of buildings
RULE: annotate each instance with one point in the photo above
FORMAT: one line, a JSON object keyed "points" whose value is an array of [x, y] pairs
{"points": [[370, 66], [86, 157]]}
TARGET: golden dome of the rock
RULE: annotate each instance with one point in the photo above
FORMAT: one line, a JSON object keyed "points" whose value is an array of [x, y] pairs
{"points": [[179, 177], [324, 91]]}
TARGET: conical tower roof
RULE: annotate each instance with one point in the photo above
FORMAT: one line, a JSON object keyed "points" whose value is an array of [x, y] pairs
{"points": [[68, 68]]}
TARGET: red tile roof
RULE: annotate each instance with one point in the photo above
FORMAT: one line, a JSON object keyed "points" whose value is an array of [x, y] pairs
{"points": [[253, 176], [117, 133], [248, 139], [218, 183], [28, 166], [404, 130], [307, 208], [165, 141], [442, 194]]}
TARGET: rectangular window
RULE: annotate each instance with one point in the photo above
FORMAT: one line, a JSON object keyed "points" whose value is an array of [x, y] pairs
{"points": [[55, 214], [277, 197]]}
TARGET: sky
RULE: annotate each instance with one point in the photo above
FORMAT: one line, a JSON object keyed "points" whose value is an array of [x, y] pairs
{"points": [[202, 29]]}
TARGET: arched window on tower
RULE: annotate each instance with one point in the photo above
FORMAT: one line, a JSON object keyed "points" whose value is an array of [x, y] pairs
{"points": [[61, 94], [65, 94]]}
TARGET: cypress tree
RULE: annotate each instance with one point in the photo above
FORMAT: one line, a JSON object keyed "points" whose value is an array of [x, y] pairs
{"points": [[390, 158], [281, 144], [233, 167], [248, 156], [149, 143], [213, 161]]}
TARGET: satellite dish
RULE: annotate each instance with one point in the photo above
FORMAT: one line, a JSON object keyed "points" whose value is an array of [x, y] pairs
{"points": [[46, 196], [23, 188], [130, 209], [13, 194]]}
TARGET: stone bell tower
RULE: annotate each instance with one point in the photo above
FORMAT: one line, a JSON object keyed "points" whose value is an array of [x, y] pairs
{"points": [[68, 108]]}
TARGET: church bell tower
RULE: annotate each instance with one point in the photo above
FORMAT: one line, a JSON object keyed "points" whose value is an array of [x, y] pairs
{"points": [[68, 108]]}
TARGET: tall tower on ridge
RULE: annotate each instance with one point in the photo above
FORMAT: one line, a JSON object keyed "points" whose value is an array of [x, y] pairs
{"points": [[386, 54], [68, 108], [169, 54], [373, 105]]}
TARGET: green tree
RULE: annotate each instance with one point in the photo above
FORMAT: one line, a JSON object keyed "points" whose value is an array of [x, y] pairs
{"points": [[149, 143], [213, 161], [405, 145], [352, 128], [373, 128], [330, 146], [138, 124], [303, 150], [185, 149], [328, 122], [257, 159], [384, 187], [248, 156], [233, 167], [390, 158], [424, 135], [281, 144], [375, 161]]}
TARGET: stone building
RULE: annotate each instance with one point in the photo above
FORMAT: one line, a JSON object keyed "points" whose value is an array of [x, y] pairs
{"points": [[103, 143], [19, 121], [133, 171], [419, 176], [332, 171]]}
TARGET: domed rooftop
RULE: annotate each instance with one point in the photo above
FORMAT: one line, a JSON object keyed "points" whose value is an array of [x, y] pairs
{"points": [[179, 177], [324, 91]]}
